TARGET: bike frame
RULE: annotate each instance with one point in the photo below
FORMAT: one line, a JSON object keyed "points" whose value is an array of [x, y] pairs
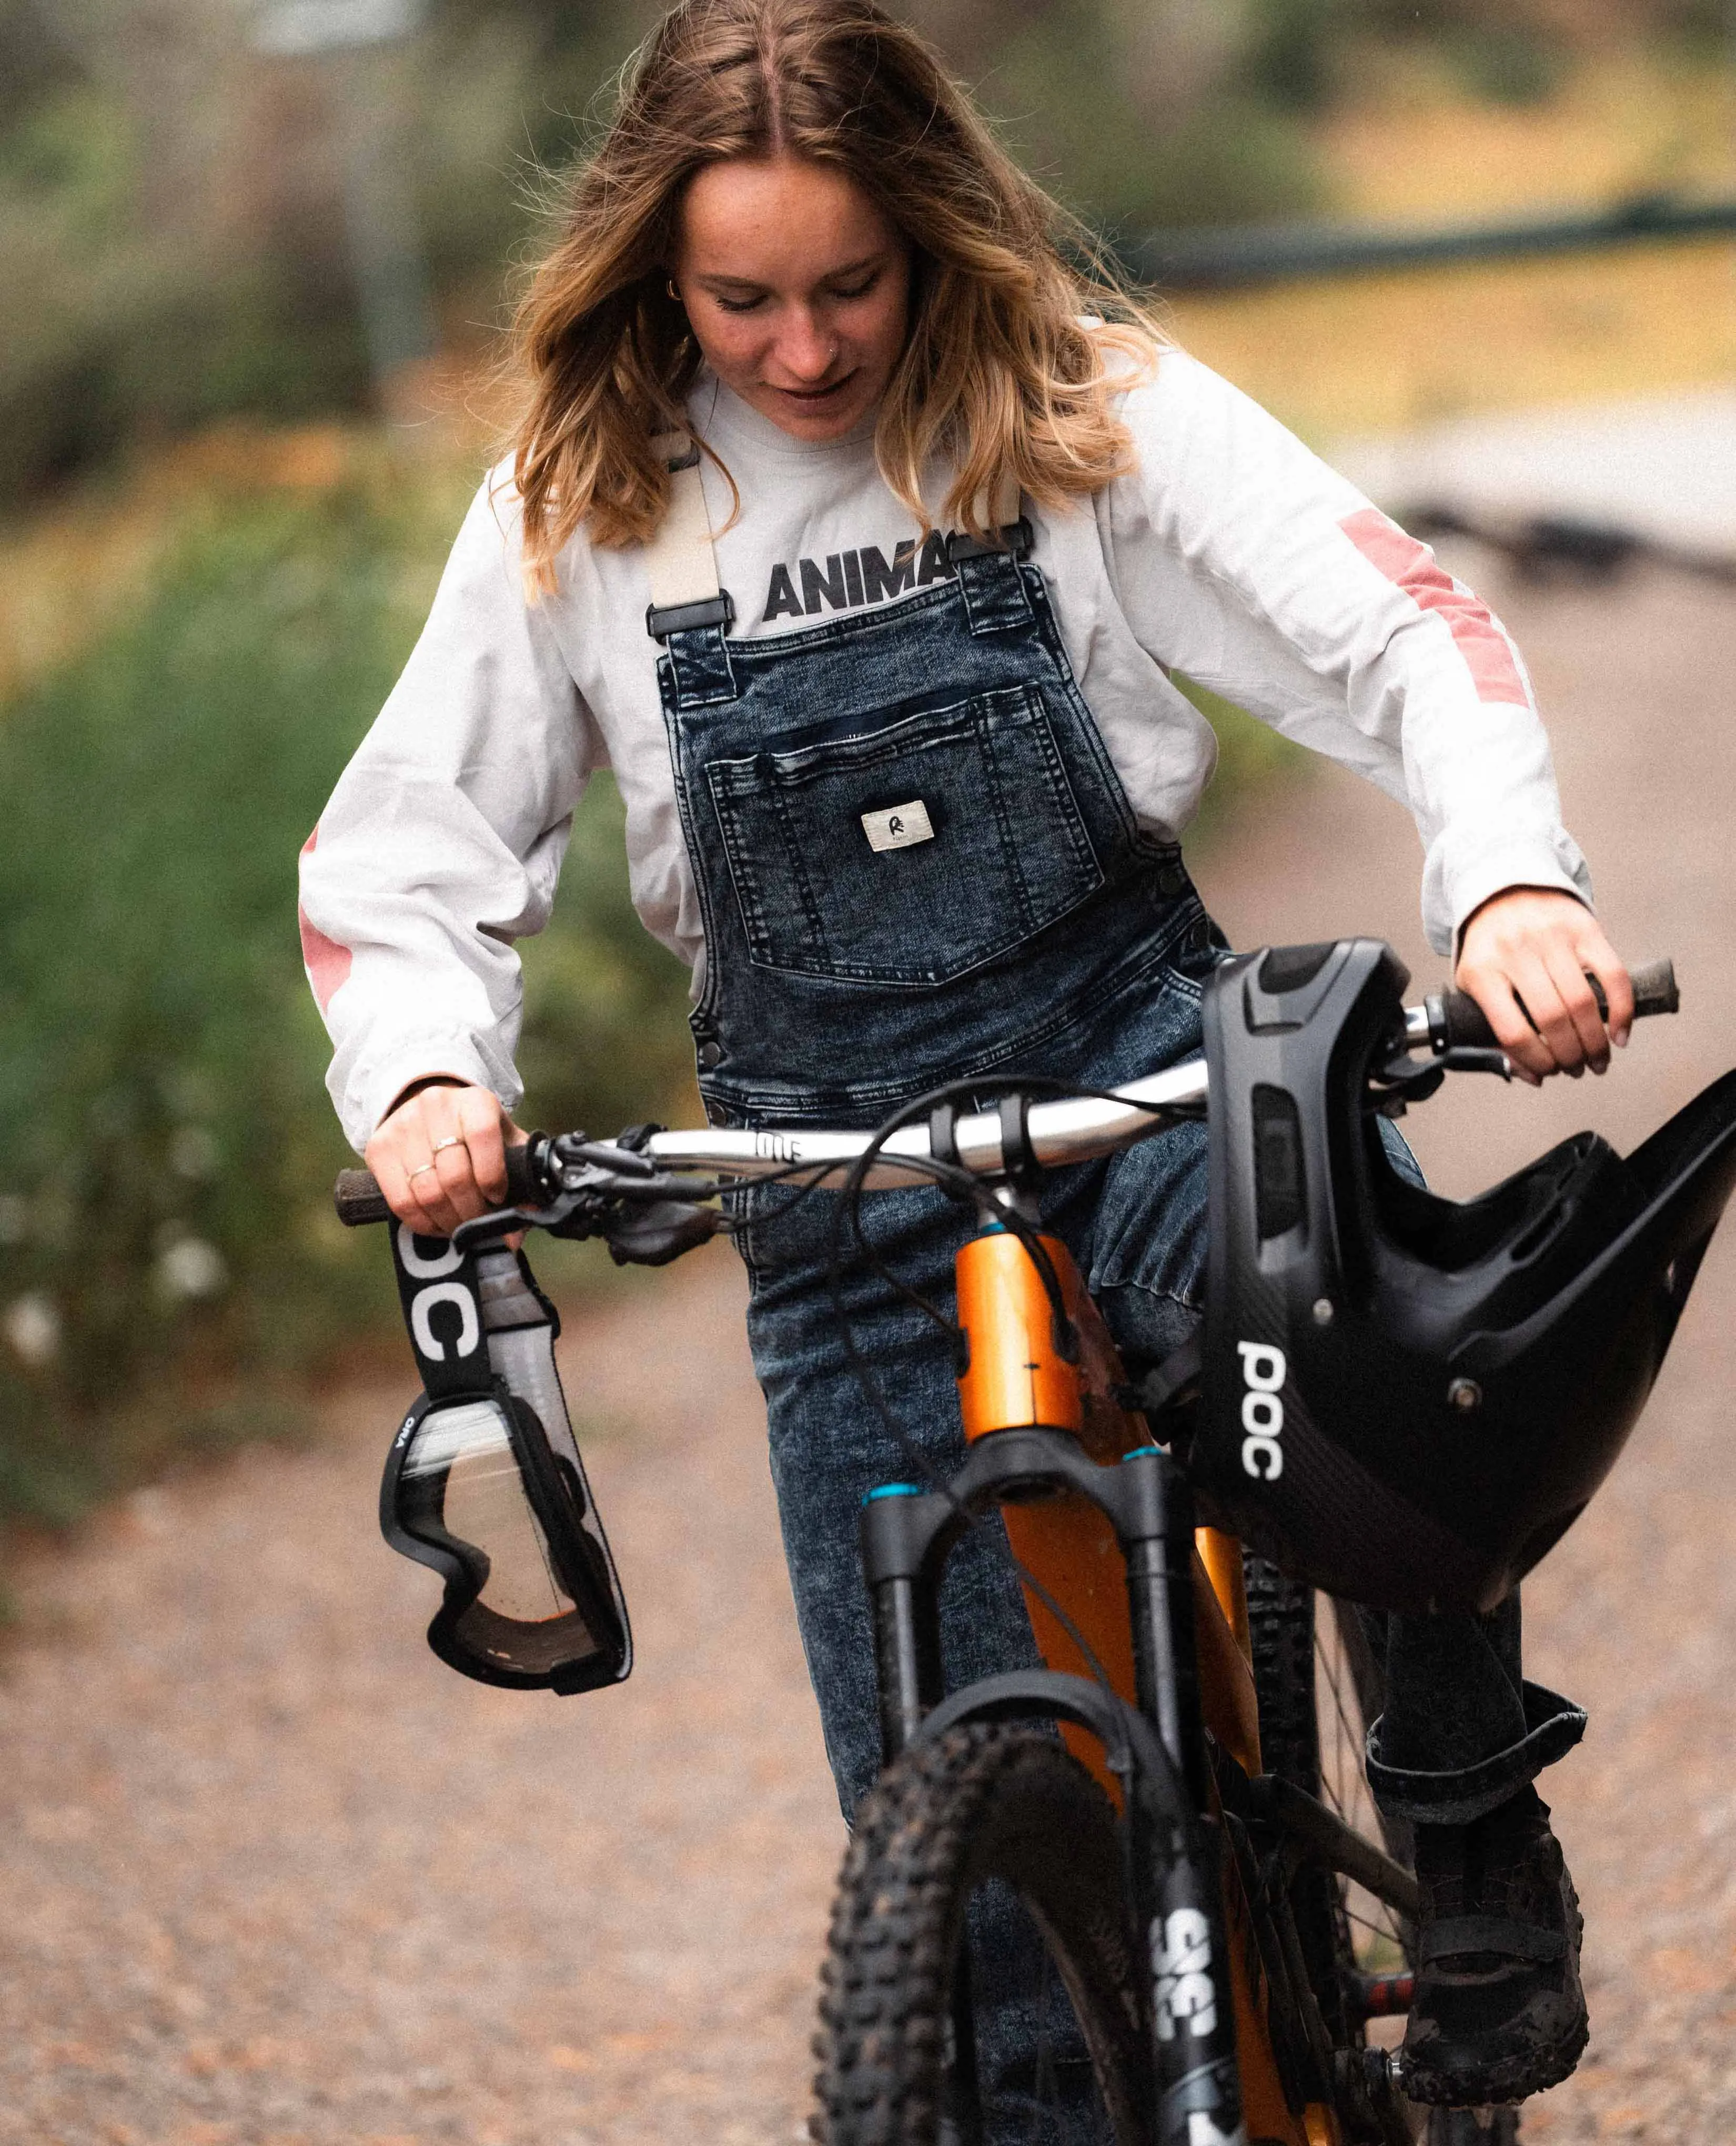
{"points": [[1148, 1674], [1139, 1614]]}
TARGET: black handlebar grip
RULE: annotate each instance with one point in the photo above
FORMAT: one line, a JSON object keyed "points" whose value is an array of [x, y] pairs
{"points": [[1654, 987], [358, 1199], [524, 1186], [1456, 1021]]}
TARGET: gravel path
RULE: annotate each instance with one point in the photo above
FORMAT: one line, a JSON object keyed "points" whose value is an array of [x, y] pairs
{"points": [[272, 1877]]}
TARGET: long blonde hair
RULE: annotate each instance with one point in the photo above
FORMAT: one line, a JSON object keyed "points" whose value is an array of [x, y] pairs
{"points": [[1005, 369]]}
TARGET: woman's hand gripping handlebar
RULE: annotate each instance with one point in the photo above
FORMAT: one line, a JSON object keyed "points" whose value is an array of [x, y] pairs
{"points": [[358, 1200], [643, 1197], [573, 1187], [1452, 1021]]}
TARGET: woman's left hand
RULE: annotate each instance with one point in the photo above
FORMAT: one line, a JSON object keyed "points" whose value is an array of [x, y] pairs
{"points": [[1525, 953]]}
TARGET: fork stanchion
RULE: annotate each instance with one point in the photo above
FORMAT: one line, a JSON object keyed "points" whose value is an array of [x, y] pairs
{"points": [[1156, 1522], [898, 1543], [1178, 1853]]}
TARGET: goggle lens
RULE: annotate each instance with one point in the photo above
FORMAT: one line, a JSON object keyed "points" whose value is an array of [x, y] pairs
{"points": [[464, 1456], [480, 1493]]}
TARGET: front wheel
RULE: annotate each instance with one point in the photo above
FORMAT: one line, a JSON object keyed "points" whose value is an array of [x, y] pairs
{"points": [[1319, 1684], [999, 1827]]}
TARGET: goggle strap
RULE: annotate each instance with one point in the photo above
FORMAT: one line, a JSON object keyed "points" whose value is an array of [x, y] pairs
{"points": [[440, 1291], [441, 1297]]}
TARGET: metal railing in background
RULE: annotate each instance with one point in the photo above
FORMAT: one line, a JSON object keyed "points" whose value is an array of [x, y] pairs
{"points": [[1219, 260], [1564, 547]]}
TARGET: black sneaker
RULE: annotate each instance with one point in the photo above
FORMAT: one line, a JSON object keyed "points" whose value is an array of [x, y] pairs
{"points": [[1499, 2012]]}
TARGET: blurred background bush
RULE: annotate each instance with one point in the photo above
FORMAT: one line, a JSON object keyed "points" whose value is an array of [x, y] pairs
{"points": [[226, 486], [167, 1243], [173, 199]]}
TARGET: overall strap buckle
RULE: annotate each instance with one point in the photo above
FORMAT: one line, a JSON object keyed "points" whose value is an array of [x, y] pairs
{"points": [[1017, 538], [990, 575], [991, 579], [661, 619]]}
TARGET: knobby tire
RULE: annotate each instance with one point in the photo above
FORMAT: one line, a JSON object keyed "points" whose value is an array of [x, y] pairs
{"points": [[1281, 1629], [979, 1803]]}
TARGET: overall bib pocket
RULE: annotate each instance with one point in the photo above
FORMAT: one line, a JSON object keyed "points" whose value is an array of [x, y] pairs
{"points": [[910, 852]]}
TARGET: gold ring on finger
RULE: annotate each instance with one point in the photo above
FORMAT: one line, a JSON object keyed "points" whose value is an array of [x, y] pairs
{"points": [[421, 1170], [451, 1140]]}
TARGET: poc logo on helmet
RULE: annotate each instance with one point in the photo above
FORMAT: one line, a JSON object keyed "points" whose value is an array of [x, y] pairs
{"points": [[1263, 1371]]}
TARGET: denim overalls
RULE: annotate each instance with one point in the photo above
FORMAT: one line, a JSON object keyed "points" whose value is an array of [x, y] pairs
{"points": [[1014, 917], [916, 864]]}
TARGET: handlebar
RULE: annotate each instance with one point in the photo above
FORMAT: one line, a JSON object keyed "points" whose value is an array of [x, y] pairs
{"points": [[1076, 1129], [358, 1200], [1452, 1021], [1071, 1130]]}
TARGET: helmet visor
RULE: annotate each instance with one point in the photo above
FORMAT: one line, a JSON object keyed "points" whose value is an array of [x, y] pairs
{"points": [[474, 1489]]}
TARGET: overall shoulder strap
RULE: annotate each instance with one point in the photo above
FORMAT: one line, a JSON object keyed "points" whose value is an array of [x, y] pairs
{"points": [[1000, 511], [1003, 510], [680, 561], [996, 599]]}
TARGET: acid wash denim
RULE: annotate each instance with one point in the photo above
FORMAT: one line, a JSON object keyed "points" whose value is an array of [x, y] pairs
{"points": [[916, 865]]}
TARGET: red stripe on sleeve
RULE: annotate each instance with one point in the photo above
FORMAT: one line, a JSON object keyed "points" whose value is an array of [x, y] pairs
{"points": [[1411, 567], [328, 965]]}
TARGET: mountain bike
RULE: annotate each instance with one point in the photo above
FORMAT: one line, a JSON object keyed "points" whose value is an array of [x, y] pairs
{"points": [[1176, 1798]]}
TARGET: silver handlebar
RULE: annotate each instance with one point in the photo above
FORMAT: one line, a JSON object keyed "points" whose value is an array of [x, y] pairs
{"points": [[1072, 1129], [1075, 1129]]}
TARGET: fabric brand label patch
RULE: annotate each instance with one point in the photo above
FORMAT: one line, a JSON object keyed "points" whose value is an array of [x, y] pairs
{"points": [[898, 828]]}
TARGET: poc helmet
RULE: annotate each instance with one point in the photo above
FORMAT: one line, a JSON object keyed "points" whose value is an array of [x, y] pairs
{"points": [[1408, 1400]]}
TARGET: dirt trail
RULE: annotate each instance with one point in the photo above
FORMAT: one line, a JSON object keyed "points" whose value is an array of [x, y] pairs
{"points": [[273, 1877]]}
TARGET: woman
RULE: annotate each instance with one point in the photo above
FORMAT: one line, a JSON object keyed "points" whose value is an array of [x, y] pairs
{"points": [[918, 522]]}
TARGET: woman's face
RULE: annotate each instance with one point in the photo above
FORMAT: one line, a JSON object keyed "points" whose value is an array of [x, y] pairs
{"points": [[797, 289]]}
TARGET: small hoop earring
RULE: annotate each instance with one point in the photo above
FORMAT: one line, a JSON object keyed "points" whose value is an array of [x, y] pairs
{"points": [[673, 292]]}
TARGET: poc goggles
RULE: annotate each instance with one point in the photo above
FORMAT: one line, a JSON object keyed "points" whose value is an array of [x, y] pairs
{"points": [[484, 1486], [474, 1490]]}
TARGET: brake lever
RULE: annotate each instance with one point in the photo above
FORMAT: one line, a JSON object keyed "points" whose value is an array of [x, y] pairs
{"points": [[1475, 1058], [1405, 1078], [585, 1200], [482, 1229]]}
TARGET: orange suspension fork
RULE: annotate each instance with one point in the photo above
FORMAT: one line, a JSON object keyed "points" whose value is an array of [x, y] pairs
{"points": [[1016, 1375], [1025, 1367]]}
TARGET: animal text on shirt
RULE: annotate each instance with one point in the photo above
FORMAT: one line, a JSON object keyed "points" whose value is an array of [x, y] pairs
{"points": [[847, 580]]}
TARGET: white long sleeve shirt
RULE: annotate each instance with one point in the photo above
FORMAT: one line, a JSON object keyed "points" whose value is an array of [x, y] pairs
{"points": [[1231, 554]]}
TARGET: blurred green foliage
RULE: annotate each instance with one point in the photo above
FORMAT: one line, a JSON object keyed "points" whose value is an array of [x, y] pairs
{"points": [[1305, 54], [172, 202], [165, 1146]]}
